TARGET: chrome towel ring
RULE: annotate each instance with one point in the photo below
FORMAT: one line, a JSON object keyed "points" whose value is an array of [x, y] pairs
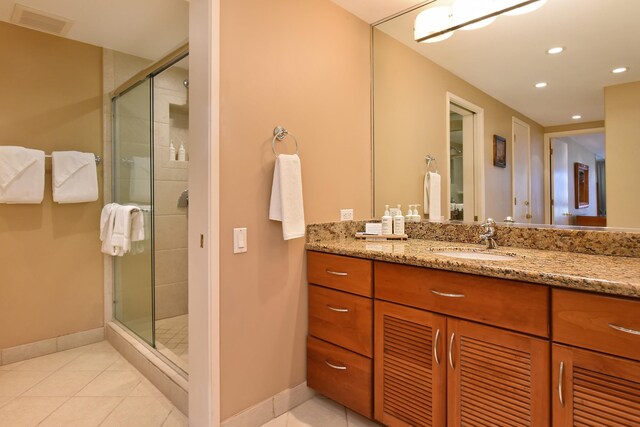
{"points": [[280, 134]]}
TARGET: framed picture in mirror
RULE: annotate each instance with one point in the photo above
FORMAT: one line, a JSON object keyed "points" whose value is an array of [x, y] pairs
{"points": [[581, 184], [499, 151]]}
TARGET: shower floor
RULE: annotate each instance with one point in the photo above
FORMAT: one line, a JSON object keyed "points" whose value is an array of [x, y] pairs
{"points": [[172, 340]]}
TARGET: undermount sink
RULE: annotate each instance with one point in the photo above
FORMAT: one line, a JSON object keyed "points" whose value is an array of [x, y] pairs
{"points": [[476, 254]]}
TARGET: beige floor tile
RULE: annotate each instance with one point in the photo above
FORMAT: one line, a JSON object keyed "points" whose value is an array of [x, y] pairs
{"points": [[145, 388], [111, 383], [121, 365], [51, 362], [99, 347], [92, 361], [11, 366], [281, 421], [28, 411], [357, 420], [136, 411], [4, 400], [176, 419], [82, 412], [62, 383], [14, 383], [317, 412]]}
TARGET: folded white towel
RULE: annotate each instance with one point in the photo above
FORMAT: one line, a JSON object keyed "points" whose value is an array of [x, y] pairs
{"points": [[21, 175], [107, 222], [432, 196], [74, 176], [286, 196], [140, 180], [140, 229], [121, 237]]}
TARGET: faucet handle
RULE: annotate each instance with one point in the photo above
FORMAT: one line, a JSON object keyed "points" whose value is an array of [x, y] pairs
{"points": [[489, 223]]}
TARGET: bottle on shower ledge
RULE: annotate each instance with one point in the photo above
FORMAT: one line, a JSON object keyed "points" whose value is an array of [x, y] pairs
{"points": [[172, 152], [182, 153]]}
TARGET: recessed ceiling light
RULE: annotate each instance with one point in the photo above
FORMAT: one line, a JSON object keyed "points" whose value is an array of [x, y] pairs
{"points": [[576, 117], [619, 70], [541, 85], [555, 50]]}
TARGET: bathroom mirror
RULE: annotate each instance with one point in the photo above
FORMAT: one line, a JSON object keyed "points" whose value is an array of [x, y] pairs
{"points": [[581, 183], [497, 68]]}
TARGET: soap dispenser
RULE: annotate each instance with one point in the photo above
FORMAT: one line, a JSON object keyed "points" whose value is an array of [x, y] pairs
{"points": [[416, 214], [172, 152], [398, 223], [387, 227], [182, 154], [409, 216]]}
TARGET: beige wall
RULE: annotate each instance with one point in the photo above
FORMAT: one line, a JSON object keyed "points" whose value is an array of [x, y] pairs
{"points": [[574, 126], [51, 277], [410, 122], [622, 127], [303, 65]]}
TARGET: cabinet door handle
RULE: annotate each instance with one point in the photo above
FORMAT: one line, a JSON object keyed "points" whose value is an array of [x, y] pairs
{"points": [[443, 294], [339, 310], [626, 330], [560, 380], [435, 347], [453, 335], [338, 367], [337, 273]]}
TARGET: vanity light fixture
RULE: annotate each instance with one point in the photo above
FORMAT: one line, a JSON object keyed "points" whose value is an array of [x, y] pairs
{"points": [[540, 85], [438, 23], [555, 50], [576, 117], [619, 70]]}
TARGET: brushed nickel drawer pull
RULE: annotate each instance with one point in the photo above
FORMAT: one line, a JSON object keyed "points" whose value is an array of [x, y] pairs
{"points": [[338, 367], [435, 347], [453, 335], [339, 310], [621, 329], [337, 273], [443, 294], [560, 379]]}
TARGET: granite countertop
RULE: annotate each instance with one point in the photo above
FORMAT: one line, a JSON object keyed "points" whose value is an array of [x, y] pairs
{"points": [[597, 273]]}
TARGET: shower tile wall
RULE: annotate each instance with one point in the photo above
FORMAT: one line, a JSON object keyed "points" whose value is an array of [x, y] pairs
{"points": [[171, 118]]}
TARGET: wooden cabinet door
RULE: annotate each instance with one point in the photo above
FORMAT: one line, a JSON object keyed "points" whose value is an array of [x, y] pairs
{"points": [[496, 377], [593, 389], [410, 366]]}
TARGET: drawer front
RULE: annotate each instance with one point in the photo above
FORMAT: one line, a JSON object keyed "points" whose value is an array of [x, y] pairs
{"points": [[505, 303], [607, 324], [341, 375], [342, 319], [340, 272]]}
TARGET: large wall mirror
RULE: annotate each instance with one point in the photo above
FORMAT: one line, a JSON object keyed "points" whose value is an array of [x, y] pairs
{"points": [[552, 110]]}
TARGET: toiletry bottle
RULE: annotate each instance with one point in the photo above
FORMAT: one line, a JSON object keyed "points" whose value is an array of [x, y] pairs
{"points": [[408, 216], [182, 154], [387, 227], [398, 223], [416, 214], [172, 152]]}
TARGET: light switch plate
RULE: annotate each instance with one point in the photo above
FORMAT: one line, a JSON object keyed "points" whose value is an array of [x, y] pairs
{"points": [[239, 240], [346, 214]]}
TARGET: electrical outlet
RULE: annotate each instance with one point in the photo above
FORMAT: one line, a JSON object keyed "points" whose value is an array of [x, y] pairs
{"points": [[346, 214]]}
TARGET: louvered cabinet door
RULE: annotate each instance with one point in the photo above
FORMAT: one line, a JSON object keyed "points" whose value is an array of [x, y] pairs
{"points": [[593, 389], [410, 366], [496, 377]]}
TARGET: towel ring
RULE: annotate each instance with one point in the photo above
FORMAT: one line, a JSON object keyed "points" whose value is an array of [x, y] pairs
{"points": [[280, 134], [430, 159]]}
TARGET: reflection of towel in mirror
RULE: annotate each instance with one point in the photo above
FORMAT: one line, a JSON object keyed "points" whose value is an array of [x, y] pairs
{"points": [[21, 175], [286, 196], [432, 196], [74, 175]]}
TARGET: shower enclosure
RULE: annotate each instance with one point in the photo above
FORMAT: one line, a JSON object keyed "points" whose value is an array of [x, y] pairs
{"points": [[150, 282]]}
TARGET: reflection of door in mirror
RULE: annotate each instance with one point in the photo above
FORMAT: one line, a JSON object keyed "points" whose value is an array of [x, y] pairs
{"points": [[521, 172], [461, 141], [560, 182]]}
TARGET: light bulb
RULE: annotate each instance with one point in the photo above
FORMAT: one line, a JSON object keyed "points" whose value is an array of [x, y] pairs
{"points": [[524, 9], [468, 10], [431, 21]]}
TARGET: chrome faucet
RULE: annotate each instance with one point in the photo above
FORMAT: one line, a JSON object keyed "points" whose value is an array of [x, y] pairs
{"points": [[489, 234]]}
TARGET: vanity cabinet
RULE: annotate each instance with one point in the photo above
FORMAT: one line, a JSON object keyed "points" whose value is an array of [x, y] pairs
{"points": [[340, 341], [598, 383], [432, 367]]}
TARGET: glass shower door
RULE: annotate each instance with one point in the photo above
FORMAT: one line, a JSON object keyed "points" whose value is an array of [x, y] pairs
{"points": [[133, 185]]}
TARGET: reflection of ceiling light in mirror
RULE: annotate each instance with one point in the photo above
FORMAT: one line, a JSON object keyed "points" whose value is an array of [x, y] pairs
{"points": [[555, 50], [619, 70], [431, 21], [576, 117], [468, 10], [521, 10], [541, 85]]}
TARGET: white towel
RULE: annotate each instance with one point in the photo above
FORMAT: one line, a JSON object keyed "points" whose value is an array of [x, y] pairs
{"points": [[140, 180], [21, 175], [140, 229], [107, 221], [432, 196], [286, 196], [121, 237], [74, 176]]}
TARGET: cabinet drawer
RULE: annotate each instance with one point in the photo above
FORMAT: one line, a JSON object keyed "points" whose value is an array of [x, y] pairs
{"points": [[504, 303], [607, 324], [342, 319], [339, 272], [340, 374]]}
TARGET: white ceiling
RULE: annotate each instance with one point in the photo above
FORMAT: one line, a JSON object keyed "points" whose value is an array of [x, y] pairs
{"points": [[593, 142], [509, 56], [145, 28]]}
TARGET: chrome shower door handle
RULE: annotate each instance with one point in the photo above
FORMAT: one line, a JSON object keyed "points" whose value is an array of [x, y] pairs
{"points": [[435, 347]]}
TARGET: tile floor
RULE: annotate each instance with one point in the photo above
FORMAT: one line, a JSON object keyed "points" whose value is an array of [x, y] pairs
{"points": [[83, 387], [320, 412], [172, 339]]}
